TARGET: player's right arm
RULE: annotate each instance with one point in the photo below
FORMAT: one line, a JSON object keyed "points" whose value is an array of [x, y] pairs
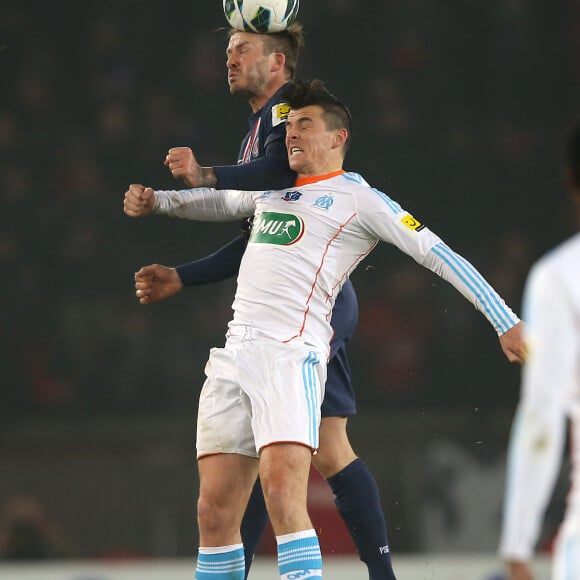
{"points": [[201, 204], [268, 172]]}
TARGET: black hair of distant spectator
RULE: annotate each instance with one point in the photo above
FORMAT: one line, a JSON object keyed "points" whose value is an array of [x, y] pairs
{"points": [[314, 92]]}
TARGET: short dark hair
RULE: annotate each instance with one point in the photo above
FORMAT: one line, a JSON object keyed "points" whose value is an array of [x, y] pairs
{"points": [[314, 92], [289, 42], [572, 153]]}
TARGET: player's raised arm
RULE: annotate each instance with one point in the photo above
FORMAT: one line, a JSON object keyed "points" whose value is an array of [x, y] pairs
{"points": [[205, 204], [384, 218]]}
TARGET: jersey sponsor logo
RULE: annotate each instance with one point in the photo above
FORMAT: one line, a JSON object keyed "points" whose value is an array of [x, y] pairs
{"points": [[292, 196], [279, 113], [410, 222], [384, 549], [324, 202], [280, 229]]}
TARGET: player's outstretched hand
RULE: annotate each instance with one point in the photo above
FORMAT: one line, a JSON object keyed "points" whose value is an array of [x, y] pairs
{"points": [[138, 200], [519, 571], [512, 344], [154, 283]]}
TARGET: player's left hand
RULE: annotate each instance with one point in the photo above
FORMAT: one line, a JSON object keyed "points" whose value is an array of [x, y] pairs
{"points": [[512, 344], [156, 282]]}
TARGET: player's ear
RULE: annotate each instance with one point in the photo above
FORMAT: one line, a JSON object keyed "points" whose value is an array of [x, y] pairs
{"points": [[278, 61], [340, 137]]}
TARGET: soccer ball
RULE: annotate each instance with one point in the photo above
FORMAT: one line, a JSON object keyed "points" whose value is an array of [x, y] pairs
{"points": [[264, 17]]}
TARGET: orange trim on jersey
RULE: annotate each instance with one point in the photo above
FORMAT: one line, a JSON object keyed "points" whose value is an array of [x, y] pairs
{"points": [[210, 454], [338, 231], [313, 450], [314, 178]]}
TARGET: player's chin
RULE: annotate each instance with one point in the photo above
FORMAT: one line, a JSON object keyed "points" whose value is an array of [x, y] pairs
{"points": [[294, 164]]}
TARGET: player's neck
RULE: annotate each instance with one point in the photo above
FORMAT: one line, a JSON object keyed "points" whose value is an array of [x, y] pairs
{"points": [[257, 102]]}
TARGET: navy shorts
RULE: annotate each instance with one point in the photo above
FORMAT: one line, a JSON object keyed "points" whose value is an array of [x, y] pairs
{"points": [[339, 399]]}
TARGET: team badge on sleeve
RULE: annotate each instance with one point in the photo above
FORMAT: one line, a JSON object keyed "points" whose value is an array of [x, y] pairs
{"points": [[410, 222], [279, 113]]}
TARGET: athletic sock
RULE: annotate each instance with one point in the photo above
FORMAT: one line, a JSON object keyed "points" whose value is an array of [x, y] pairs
{"points": [[299, 556], [254, 524], [220, 563], [358, 502]]}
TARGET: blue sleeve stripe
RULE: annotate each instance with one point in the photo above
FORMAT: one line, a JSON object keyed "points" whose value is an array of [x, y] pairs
{"points": [[393, 205], [356, 177], [476, 283]]}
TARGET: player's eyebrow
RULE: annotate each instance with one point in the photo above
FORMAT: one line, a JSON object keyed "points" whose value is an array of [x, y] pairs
{"points": [[298, 121], [241, 44]]}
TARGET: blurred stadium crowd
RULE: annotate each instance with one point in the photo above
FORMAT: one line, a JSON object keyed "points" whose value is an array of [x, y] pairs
{"points": [[460, 108]]}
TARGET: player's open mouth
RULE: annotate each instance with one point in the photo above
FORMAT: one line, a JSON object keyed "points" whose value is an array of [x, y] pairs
{"points": [[296, 150]]}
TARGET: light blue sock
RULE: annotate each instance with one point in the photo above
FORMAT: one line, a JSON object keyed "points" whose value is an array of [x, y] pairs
{"points": [[221, 563], [299, 556]]}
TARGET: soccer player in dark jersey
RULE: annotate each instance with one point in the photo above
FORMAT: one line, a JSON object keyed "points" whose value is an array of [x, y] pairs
{"points": [[259, 68]]}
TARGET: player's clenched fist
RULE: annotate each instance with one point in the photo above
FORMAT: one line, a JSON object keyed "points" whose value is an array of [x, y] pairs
{"points": [[156, 282], [183, 165], [138, 200]]}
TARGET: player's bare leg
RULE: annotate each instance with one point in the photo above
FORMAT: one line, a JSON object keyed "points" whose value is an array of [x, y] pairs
{"points": [[335, 451], [225, 484], [226, 481], [284, 470]]}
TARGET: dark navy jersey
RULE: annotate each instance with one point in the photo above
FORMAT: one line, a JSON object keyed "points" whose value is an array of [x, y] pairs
{"points": [[263, 164], [263, 159], [339, 399]]}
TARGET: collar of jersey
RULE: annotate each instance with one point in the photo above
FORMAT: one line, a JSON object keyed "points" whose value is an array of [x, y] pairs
{"points": [[314, 178]]}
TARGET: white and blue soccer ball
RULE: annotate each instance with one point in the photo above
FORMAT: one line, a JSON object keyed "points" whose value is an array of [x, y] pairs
{"points": [[264, 17]]}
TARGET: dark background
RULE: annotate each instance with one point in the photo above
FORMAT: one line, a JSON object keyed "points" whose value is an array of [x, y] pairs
{"points": [[460, 109]]}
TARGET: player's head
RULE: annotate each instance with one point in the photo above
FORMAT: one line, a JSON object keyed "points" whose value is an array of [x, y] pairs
{"points": [[572, 160], [258, 64], [318, 128], [288, 42]]}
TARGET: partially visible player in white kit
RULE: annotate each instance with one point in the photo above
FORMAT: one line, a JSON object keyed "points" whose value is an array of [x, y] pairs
{"points": [[550, 400], [259, 409]]}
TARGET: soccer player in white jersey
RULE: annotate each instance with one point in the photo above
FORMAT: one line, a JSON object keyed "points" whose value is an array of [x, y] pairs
{"points": [[550, 399], [259, 408]]}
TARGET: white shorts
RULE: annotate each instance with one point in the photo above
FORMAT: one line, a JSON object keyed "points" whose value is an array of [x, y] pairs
{"points": [[258, 393]]}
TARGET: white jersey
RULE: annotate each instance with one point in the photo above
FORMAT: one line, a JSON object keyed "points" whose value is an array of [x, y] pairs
{"points": [[550, 396], [306, 241]]}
